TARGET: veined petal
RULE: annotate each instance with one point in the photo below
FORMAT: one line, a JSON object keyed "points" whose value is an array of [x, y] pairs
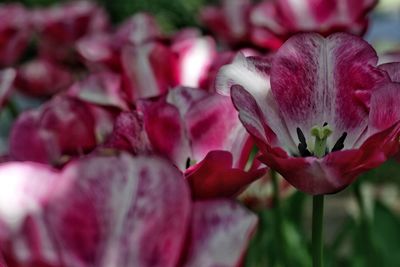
{"points": [[212, 124], [393, 69], [220, 234], [323, 75], [121, 211]]}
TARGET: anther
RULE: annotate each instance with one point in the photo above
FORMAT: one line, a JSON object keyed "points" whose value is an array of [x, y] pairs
{"points": [[339, 145]]}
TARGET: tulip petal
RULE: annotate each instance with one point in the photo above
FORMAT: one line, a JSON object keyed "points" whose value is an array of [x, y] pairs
{"points": [[213, 124], [393, 69], [220, 233], [215, 176], [121, 212], [323, 75]]}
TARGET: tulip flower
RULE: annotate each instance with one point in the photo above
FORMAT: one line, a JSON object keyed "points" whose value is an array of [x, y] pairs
{"points": [[15, 33], [41, 77], [115, 211], [201, 134], [283, 18], [62, 126], [60, 26], [327, 115]]}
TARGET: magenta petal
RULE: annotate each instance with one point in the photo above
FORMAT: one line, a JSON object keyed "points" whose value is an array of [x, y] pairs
{"points": [[393, 69], [129, 134], [215, 176], [121, 211], [323, 75], [145, 71], [166, 131], [385, 108], [219, 235], [42, 77], [7, 77]]}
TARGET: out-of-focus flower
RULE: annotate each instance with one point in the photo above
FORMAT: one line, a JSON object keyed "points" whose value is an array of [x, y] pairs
{"points": [[324, 91], [60, 26], [15, 33], [230, 22], [41, 77], [62, 126], [7, 77], [194, 127], [115, 211], [284, 18]]}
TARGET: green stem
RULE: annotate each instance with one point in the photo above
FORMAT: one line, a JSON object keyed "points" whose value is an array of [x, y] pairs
{"points": [[12, 109], [280, 238], [317, 230]]}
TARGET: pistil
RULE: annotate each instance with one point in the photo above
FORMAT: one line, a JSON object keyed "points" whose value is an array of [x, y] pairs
{"points": [[321, 135]]}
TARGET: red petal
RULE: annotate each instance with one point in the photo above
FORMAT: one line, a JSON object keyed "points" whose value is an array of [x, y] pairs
{"points": [[220, 233], [215, 177], [393, 69]]}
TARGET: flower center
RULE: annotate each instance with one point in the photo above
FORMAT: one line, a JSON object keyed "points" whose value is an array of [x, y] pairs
{"points": [[321, 135]]}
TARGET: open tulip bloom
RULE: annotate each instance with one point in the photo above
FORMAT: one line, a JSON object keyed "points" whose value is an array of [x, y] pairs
{"points": [[321, 113]]}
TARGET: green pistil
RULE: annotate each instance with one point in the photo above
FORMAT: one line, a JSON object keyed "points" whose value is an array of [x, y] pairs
{"points": [[321, 134]]}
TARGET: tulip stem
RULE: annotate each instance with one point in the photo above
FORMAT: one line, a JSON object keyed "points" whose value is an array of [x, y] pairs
{"points": [[280, 238], [317, 230]]}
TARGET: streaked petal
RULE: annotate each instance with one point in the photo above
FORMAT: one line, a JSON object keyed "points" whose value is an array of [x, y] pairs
{"points": [[220, 234], [7, 77], [323, 75]]}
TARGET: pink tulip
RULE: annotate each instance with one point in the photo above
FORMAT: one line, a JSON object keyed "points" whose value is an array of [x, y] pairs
{"points": [[330, 83], [115, 211]]}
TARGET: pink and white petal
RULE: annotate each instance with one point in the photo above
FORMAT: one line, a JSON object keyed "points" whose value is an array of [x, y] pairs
{"points": [[145, 70], [7, 77], [121, 211], [236, 15], [212, 124], [195, 55], [215, 177], [393, 69], [252, 74], [166, 131], [385, 108], [323, 75], [183, 98], [129, 134], [220, 233], [26, 188], [266, 15], [104, 88]]}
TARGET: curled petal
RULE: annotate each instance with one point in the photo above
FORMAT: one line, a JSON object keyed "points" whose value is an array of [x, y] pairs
{"points": [[220, 234], [215, 176]]}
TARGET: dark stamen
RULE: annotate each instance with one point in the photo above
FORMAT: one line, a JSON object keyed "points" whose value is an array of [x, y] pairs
{"points": [[339, 143], [187, 163], [302, 138], [304, 152], [325, 123]]}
